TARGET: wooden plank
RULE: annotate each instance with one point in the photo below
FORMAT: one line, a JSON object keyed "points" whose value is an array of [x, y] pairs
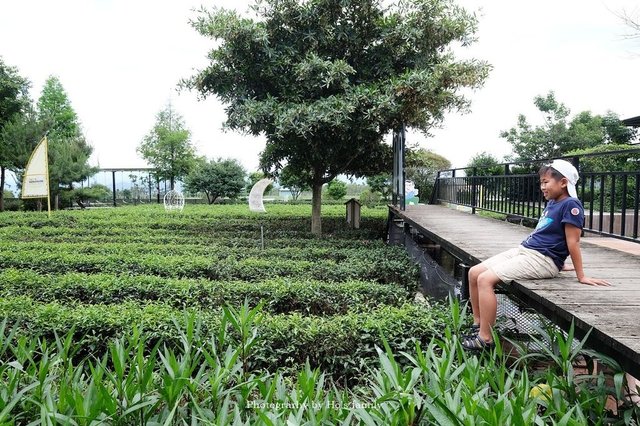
{"points": [[572, 286], [631, 343], [610, 297]]}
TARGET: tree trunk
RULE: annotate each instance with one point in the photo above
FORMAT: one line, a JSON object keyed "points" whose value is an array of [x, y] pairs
{"points": [[316, 209], [2, 170]]}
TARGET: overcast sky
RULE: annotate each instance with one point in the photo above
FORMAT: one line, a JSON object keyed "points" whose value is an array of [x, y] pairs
{"points": [[120, 62]]}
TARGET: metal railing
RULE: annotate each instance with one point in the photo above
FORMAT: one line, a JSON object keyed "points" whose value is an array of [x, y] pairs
{"points": [[610, 198]]}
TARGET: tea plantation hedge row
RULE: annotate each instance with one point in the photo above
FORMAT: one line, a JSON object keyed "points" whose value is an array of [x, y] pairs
{"points": [[280, 295], [327, 299]]}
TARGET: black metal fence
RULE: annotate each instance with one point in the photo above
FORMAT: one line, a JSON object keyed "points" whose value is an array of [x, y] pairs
{"points": [[608, 188]]}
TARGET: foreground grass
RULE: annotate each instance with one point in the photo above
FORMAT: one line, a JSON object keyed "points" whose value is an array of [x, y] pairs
{"points": [[208, 378]]}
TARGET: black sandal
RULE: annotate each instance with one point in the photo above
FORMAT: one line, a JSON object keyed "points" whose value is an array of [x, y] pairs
{"points": [[476, 343], [474, 329]]}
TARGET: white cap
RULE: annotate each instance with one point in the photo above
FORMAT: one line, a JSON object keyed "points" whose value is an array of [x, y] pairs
{"points": [[567, 170]]}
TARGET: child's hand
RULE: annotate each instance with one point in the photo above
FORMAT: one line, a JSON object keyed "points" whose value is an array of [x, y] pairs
{"points": [[567, 267], [594, 281]]}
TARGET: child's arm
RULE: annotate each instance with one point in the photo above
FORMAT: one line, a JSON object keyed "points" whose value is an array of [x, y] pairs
{"points": [[572, 233]]}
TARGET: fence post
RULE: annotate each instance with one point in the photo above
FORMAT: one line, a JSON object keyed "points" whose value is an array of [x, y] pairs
{"points": [[474, 190], [452, 188], [435, 193], [576, 163], [158, 187], [113, 183]]}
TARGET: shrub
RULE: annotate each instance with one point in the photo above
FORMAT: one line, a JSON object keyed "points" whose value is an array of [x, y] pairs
{"points": [[370, 199]]}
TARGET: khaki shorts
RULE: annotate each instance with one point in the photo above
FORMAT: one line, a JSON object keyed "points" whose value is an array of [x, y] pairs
{"points": [[521, 263]]}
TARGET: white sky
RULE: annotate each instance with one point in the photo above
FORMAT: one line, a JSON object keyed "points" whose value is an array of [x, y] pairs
{"points": [[120, 61]]}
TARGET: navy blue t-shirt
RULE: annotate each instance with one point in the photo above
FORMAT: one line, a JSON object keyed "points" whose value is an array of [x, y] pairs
{"points": [[549, 237]]}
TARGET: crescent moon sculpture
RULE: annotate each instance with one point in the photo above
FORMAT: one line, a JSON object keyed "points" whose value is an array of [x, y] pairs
{"points": [[256, 195]]}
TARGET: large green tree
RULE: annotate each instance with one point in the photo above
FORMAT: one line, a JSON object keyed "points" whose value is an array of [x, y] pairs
{"points": [[326, 80], [559, 135], [217, 178], [69, 150], [168, 147], [14, 103]]}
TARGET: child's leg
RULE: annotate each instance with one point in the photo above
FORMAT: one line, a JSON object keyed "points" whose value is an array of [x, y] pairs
{"points": [[474, 272], [487, 303]]}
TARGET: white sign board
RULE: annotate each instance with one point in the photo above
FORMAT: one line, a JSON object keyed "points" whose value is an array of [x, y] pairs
{"points": [[35, 183]]}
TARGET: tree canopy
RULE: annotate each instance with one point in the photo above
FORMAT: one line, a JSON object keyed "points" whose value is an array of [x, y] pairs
{"points": [[217, 178], [14, 103], [486, 164], [381, 184], [295, 182], [326, 80], [558, 135], [168, 147], [336, 189], [69, 151]]}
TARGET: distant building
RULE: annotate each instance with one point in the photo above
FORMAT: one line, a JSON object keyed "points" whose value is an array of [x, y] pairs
{"points": [[632, 122], [285, 194]]}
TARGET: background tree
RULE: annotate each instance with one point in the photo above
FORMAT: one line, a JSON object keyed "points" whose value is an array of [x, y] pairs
{"points": [[381, 184], [168, 147], [82, 196], [631, 21], [69, 151], [486, 164], [422, 167], [14, 102], [221, 178], [336, 189], [326, 80], [296, 182], [558, 136], [369, 198]]}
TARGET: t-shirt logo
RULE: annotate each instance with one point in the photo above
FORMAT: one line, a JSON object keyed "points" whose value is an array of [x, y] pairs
{"points": [[543, 223], [575, 211]]}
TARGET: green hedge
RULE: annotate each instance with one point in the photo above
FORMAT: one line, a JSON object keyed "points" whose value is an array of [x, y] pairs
{"points": [[215, 253], [385, 270], [280, 295], [52, 235]]}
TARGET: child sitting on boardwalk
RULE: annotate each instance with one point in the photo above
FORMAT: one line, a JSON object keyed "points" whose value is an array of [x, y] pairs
{"points": [[541, 254]]}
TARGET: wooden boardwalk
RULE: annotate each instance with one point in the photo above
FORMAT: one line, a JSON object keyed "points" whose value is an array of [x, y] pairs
{"points": [[612, 312]]}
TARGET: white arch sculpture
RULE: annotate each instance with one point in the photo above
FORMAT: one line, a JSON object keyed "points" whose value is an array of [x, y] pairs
{"points": [[256, 195]]}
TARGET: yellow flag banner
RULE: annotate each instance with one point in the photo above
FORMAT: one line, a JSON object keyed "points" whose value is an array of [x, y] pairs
{"points": [[35, 183]]}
